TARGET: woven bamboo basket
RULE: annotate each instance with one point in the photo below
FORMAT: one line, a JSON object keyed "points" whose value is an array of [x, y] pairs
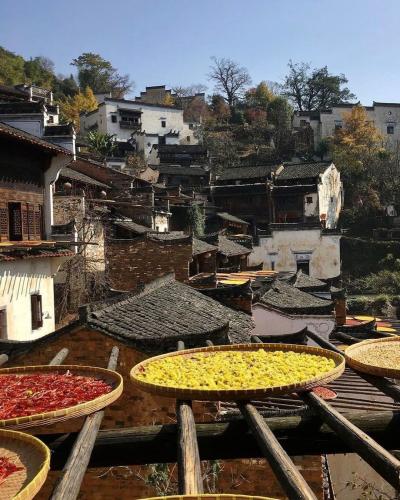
{"points": [[211, 497], [47, 418], [30, 453], [240, 394], [357, 350]]}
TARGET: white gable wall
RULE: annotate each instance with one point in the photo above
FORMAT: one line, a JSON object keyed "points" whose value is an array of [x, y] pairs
{"points": [[18, 281]]}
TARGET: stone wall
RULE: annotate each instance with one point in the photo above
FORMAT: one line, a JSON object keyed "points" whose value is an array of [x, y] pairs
{"points": [[131, 262]]}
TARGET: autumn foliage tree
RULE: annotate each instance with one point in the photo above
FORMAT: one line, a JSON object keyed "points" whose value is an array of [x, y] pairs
{"points": [[72, 106], [358, 151]]}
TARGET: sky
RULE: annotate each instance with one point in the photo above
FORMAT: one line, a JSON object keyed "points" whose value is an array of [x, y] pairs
{"points": [[171, 41]]}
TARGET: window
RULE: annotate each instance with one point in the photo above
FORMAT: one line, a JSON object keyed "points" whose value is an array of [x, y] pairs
{"points": [[15, 221], [36, 311], [158, 229], [114, 118], [3, 323], [390, 129], [163, 123], [303, 123], [309, 199], [188, 138], [50, 119], [191, 126]]}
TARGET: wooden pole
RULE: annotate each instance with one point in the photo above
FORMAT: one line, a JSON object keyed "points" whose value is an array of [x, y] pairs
{"points": [[69, 483], [285, 470], [374, 454], [59, 358], [3, 359], [190, 480]]}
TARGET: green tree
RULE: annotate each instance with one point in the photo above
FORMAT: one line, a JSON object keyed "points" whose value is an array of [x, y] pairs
{"points": [[279, 116], [39, 71], [102, 144], [310, 89], [219, 109], [64, 86], [323, 148], [11, 68], [71, 107], [99, 74]]}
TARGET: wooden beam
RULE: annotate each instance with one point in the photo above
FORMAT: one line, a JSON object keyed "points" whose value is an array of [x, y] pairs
{"points": [[285, 470], [59, 358], [190, 480], [374, 454], [70, 480], [299, 435]]}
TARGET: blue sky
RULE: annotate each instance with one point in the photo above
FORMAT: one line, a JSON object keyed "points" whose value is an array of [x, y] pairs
{"points": [[171, 41]]}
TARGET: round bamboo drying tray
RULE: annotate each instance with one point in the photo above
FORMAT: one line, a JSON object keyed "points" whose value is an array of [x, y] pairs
{"points": [[30, 453], [358, 349], [211, 497], [240, 394], [47, 418]]}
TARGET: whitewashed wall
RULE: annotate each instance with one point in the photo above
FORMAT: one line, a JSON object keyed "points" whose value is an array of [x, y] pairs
{"points": [[270, 321], [284, 246], [330, 194], [18, 281]]}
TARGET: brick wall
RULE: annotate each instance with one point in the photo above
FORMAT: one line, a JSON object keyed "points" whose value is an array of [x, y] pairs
{"points": [[130, 262]]}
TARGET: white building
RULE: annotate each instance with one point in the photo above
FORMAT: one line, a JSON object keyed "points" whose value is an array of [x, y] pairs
{"points": [[306, 200], [384, 115], [285, 310], [29, 167], [141, 124]]}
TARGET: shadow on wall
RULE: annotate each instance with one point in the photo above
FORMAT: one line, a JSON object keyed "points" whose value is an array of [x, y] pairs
{"points": [[17, 285]]}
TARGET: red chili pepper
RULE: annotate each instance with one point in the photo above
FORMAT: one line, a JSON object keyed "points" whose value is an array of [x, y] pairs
{"points": [[22, 395], [7, 467]]}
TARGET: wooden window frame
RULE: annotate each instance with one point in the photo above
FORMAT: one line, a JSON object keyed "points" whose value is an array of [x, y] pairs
{"points": [[36, 311], [3, 322]]}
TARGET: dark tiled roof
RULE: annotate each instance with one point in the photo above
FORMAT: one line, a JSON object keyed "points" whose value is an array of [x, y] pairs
{"points": [[69, 173], [200, 247], [168, 311], [306, 283], [58, 130], [302, 170], [8, 131], [182, 149], [9, 255], [291, 300], [178, 170], [229, 248], [133, 226], [171, 236], [246, 173], [231, 218], [25, 107], [7, 92]]}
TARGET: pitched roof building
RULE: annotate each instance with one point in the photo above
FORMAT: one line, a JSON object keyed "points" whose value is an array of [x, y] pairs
{"points": [[167, 311]]}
